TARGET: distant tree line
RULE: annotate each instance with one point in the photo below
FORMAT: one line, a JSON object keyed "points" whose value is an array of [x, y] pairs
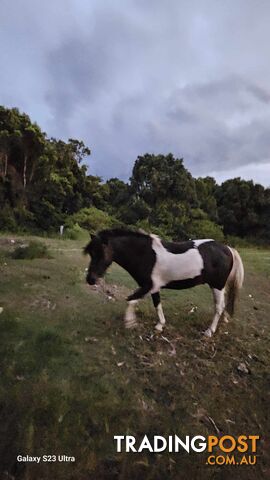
{"points": [[44, 183]]}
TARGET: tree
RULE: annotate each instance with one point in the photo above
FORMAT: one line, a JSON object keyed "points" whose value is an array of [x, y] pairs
{"points": [[79, 149], [243, 207], [206, 190], [156, 178], [167, 187], [118, 192], [42, 180]]}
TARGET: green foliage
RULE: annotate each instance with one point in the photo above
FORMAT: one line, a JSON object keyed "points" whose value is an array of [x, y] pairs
{"points": [[171, 216], [74, 232], [39, 175], [244, 208], [7, 219], [204, 228], [147, 227], [156, 178], [92, 219], [198, 214], [34, 249], [134, 210], [237, 242], [24, 218], [206, 189]]}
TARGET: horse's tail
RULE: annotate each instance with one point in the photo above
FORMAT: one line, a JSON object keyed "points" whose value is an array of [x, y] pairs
{"points": [[234, 282]]}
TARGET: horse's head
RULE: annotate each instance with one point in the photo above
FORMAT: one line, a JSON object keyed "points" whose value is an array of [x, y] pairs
{"points": [[101, 258]]}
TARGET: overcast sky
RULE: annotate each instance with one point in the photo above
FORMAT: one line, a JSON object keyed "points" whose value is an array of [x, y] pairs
{"points": [[191, 77]]}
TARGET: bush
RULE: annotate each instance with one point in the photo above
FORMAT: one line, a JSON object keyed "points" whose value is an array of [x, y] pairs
{"points": [[33, 250], [7, 219], [205, 229], [148, 228], [92, 219], [74, 232], [24, 219], [238, 242]]}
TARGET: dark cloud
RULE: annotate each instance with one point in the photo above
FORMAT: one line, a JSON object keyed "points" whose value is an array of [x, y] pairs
{"points": [[130, 77]]}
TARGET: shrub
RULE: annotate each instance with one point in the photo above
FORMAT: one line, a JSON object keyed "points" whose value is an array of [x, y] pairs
{"points": [[205, 229], [24, 219], [238, 242], [147, 227], [74, 232], [34, 249], [92, 219], [7, 219]]}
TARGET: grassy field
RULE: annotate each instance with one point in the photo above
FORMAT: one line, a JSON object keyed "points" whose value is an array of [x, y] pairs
{"points": [[71, 377]]}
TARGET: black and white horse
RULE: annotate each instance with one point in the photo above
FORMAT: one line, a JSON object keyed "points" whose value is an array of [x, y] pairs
{"points": [[156, 264]]}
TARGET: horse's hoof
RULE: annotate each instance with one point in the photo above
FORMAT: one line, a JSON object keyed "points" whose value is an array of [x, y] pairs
{"points": [[208, 333], [159, 327], [226, 319]]}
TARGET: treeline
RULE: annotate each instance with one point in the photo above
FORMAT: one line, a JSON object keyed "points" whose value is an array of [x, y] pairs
{"points": [[44, 184]]}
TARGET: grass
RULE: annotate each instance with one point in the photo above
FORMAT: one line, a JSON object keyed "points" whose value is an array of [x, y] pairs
{"points": [[71, 377]]}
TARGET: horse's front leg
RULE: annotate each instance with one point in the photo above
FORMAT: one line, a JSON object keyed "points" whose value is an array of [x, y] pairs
{"points": [[157, 304], [130, 316]]}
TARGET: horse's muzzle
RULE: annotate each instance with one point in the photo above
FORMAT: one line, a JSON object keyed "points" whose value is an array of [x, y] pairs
{"points": [[91, 280]]}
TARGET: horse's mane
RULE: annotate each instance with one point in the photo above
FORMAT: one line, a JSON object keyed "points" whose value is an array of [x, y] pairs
{"points": [[104, 235]]}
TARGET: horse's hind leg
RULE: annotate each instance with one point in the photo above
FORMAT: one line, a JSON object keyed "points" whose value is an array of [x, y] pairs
{"points": [[219, 299], [157, 304]]}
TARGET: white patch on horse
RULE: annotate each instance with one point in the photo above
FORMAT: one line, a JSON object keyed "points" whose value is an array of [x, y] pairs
{"points": [[173, 266], [130, 316], [197, 243], [159, 326], [219, 299]]}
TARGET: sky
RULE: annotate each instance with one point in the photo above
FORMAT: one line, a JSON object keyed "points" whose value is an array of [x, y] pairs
{"points": [[129, 77]]}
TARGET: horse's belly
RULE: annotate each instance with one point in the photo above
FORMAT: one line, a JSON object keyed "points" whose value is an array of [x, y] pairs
{"points": [[182, 284]]}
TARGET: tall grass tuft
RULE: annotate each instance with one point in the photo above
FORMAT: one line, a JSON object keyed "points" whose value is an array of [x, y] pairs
{"points": [[34, 249]]}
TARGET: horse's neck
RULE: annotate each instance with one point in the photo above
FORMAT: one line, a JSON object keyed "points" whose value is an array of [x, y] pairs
{"points": [[126, 252], [122, 250]]}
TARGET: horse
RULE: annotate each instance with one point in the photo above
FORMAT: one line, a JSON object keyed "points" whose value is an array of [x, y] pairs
{"points": [[156, 264]]}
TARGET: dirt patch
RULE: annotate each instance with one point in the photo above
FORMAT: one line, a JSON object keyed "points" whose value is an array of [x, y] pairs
{"points": [[108, 291]]}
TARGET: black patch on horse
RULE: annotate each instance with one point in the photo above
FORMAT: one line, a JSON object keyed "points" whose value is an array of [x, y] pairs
{"points": [[182, 284], [178, 247], [218, 262]]}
